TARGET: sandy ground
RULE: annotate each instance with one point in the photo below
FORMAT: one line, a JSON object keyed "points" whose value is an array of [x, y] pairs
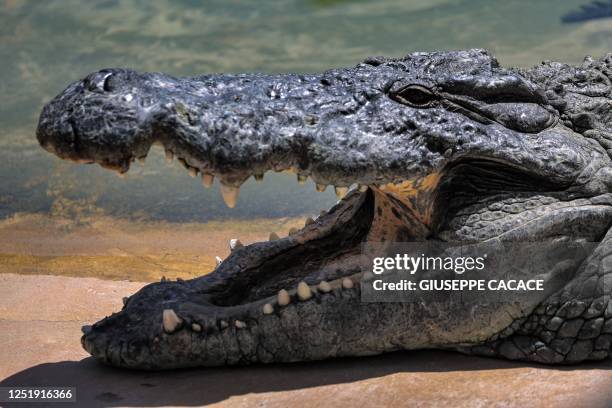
{"points": [[41, 316], [117, 249]]}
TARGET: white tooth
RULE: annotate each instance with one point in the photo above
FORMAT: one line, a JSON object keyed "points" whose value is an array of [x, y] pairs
{"points": [[324, 287], [258, 177], [347, 283], [193, 172], [207, 180], [169, 156], [234, 244], [308, 221], [268, 309], [121, 175], [301, 179], [283, 298], [170, 320], [320, 187], [240, 324], [196, 327], [273, 237], [218, 260], [141, 160], [223, 324], [230, 195], [293, 230], [363, 188], [303, 291], [341, 192]]}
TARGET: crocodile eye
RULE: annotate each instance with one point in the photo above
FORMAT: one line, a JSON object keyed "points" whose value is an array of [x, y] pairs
{"points": [[415, 95]]}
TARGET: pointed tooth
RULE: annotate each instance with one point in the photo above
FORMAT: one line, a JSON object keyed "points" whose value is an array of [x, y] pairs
{"points": [[363, 188], [240, 324], [169, 156], [193, 172], [196, 327], [218, 260], [170, 320], [234, 244], [321, 187], [207, 180], [258, 177], [283, 298], [293, 230], [341, 192], [324, 287], [223, 324], [308, 221], [273, 237], [303, 291], [229, 194], [142, 160], [301, 179], [347, 283], [268, 309]]}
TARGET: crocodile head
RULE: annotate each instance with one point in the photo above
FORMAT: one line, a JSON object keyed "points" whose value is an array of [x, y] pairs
{"points": [[444, 146]]}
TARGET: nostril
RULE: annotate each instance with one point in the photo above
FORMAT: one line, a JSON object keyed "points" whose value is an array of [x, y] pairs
{"points": [[99, 82]]}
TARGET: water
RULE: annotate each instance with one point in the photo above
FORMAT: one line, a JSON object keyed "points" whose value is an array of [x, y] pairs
{"points": [[46, 45]]}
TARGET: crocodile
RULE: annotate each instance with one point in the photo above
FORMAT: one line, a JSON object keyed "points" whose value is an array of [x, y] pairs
{"points": [[434, 146]]}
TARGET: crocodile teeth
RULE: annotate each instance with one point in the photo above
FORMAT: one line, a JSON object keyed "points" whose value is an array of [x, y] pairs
{"points": [[324, 287], [193, 172], [258, 177], [293, 231], [234, 244], [170, 320], [341, 192], [273, 237], [308, 221], [240, 324], [268, 309], [303, 291], [347, 283], [142, 160], [320, 187], [207, 180], [283, 298], [169, 156], [230, 195], [218, 260], [223, 324], [196, 327], [363, 188], [301, 179]]}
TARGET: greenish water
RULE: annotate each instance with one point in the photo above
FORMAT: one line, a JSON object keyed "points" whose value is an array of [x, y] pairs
{"points": [[44, 45]]}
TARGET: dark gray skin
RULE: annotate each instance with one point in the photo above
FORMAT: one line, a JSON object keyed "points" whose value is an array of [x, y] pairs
{"points": [[487, 152]]}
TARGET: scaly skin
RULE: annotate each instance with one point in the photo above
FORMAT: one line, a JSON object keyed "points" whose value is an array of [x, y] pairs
{"points": [[451, 147]]}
